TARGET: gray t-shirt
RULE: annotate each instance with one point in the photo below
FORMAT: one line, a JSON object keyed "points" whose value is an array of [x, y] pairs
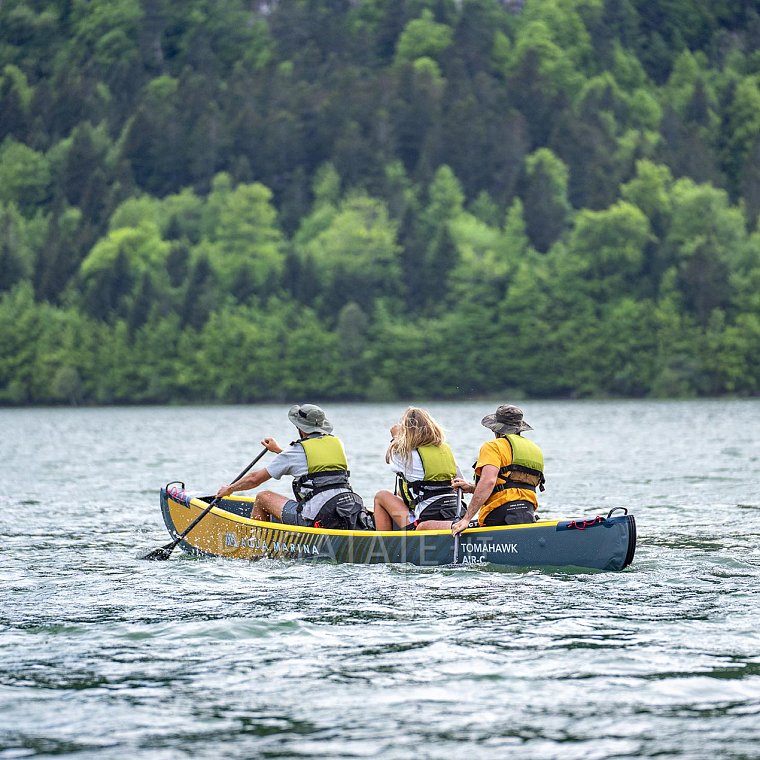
{"points": [[292, 461]]}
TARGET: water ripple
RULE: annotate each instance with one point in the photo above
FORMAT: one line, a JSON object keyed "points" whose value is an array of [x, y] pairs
{"points": [[104, 656]]}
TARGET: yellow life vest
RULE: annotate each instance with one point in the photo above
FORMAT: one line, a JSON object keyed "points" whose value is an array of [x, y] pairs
{"points": [[326, 464], [517, 480], [439, 467]]}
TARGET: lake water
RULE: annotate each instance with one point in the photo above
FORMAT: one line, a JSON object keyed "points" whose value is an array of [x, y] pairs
{"points": [[103, 655]]}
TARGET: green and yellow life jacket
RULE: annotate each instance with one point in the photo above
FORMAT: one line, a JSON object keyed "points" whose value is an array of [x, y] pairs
{"points": [[327, 467], [527, 467], [518, 480], [439, 467]]}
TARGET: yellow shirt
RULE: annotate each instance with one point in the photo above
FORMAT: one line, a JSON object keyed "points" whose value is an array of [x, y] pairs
{"points": [[498, 453]]}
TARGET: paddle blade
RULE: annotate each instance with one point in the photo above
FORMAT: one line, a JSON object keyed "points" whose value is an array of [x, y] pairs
{"points": [[161, 554]]}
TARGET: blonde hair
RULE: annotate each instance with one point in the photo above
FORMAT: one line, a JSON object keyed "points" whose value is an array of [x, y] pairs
{"points": [[417, 428]]}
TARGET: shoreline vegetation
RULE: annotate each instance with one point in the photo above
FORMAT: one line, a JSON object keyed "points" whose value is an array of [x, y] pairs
{"points": [[246, 202]]}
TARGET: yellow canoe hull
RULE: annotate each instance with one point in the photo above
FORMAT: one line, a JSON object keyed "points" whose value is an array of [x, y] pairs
{"points": [[604, 543]]}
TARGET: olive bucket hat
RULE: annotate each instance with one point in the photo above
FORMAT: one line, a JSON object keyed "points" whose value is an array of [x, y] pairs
{"points": [[309, 418], [507, 419]]}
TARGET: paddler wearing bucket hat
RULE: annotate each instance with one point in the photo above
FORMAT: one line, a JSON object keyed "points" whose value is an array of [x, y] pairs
{"points": [[508, 471], [323, 497]]}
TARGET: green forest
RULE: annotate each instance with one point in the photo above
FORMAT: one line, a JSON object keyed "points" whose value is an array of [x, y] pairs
{"points": [[229, 201]]}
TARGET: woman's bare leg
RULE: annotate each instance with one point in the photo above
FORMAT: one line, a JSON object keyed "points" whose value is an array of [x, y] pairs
{"points": [[435, 525], [389, 508]]}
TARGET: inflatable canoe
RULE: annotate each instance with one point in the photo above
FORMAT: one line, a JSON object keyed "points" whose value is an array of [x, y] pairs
{"points": [[600, 543]]}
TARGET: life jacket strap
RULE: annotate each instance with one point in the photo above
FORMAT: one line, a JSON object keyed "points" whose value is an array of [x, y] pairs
{"points": [[317, 482], [420, 490], [402, 491], [507, 473], [509, 483], [329, 477]]}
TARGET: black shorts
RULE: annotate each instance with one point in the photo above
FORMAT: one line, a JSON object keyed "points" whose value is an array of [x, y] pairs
{"points": [[444, 508], [511, 513]]}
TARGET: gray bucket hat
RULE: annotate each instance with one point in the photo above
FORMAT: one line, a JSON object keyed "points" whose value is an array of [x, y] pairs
{"points": [[309, 418], [507, 419]]}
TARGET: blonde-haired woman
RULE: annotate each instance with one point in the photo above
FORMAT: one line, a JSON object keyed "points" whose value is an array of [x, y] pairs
{"points": [[424, 465]]}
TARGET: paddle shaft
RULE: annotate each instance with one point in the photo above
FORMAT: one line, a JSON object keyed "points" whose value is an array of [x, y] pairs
{"points": [[216, 499], [459, 514], [165, 551]]}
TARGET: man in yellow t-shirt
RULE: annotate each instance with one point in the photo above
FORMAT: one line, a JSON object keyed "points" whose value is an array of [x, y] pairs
{"points": [[507, 473]]}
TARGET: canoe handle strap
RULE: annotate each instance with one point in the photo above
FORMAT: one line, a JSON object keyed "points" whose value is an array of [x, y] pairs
{"points": [[615, 509], [583, 524], [172, 490]]}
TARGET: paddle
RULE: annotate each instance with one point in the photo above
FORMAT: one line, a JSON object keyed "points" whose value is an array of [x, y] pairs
{"points": [[459, 514], [164, 552]]}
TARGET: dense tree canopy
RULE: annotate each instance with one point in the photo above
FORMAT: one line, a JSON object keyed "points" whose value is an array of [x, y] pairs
{"points": [[237, 201]]}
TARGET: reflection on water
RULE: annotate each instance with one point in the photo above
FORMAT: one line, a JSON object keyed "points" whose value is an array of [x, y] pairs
{"points": [[105, 656]]}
